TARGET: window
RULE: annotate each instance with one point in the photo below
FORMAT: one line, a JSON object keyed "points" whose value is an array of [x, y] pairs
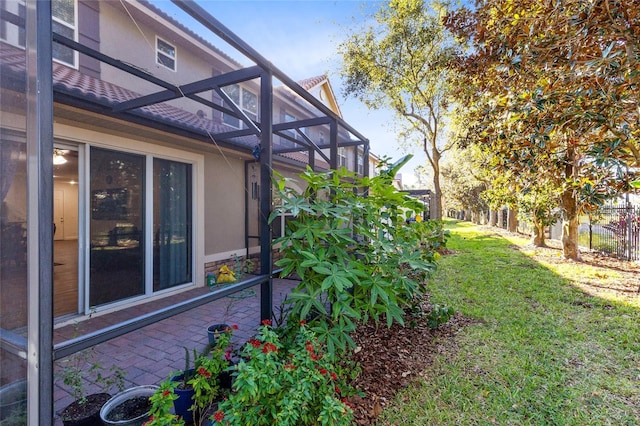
{"points": [[64, 23], [342, 157], [246, 100], [288, 118], [165, 54], [10, 31], [360, 164]]}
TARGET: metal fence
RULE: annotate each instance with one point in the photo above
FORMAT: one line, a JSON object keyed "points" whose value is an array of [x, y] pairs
{"points": [[614, 230]]}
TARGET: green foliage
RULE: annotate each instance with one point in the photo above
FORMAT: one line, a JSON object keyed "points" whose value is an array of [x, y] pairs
{"points": [[355, 252], [205, 381], [401, 61], [439, 315], [538, 351], [286, 382], [79, 368]]}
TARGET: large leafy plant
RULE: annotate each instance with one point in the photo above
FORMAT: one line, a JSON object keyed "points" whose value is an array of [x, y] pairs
{"points": [[357, 254], [286, 380]]}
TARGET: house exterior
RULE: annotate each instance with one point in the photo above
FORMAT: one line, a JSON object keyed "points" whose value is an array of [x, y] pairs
{"points": [[163, 147]]}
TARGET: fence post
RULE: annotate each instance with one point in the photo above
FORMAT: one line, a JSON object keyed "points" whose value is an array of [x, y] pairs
{"points": [[629, 228]]}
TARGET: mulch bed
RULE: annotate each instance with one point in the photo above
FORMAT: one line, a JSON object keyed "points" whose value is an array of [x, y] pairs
{"points": [[391, 358]]}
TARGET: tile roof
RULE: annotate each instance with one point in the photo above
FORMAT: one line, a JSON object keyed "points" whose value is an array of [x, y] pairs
{"points": [[309, 83], [73, 83]]}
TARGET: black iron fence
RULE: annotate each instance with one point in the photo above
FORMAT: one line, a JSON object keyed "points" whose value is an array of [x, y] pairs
{"points": [[614, 230]]}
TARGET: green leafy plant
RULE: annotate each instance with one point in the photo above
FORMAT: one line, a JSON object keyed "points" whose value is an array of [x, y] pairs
{"points": [[204, 378], [356, 253], [80, 367], [292, 383], [439, 315]]}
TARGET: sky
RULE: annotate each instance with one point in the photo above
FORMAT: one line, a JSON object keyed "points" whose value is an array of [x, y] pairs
{"points": [[301, 39]]}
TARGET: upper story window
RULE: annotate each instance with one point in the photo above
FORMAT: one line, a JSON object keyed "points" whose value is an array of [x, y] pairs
{"points": [[360, 164], [288, 118], [64, 22], [165, 54], [9, 30], [246, 100], [342, 156]]}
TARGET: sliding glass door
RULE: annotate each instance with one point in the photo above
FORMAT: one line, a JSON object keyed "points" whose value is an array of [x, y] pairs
{"points": [[116, 226], [123, 187], [172, 240]]}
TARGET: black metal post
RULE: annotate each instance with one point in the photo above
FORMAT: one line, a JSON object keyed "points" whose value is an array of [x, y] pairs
{"points": [[266, 127], [39, 213]]}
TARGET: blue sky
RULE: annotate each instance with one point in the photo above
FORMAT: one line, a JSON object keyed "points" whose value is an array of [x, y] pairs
{"points": [[301, 38]]}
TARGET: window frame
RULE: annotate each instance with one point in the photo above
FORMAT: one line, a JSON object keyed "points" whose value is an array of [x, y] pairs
{"points": [[230, 120], [74, 27], [160, 52]]}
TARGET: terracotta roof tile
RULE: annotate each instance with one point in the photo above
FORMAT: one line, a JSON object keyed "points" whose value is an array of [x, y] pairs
{"points": [[311, 82]]}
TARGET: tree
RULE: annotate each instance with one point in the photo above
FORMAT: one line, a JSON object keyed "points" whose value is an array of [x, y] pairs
{"points": [[464, 182], [552, 88], [402, 63]]}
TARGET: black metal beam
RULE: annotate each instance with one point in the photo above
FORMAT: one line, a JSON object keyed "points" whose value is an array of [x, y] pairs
{"points": [[266, 171], [111, 61], [201, 15], [310, 122], [39, 191], [209, 83], [72, 346]]}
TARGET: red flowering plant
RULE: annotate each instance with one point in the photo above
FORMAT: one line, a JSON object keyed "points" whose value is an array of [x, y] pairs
{"points": [[292, 384], [205, 382]]}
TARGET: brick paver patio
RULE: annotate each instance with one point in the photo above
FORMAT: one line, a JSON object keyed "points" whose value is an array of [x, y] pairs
{"points": [[150, 354]]}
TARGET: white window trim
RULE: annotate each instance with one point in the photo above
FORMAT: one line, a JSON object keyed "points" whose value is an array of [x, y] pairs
{"points": [[75, 64], [242, 107], [175, 55], [14, 40], [342, 156]]}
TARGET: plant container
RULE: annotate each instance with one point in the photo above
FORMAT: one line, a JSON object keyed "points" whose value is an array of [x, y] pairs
{"points": [[110, 413], [215, 330], [87, 414], [183, 404], [13, 399]]}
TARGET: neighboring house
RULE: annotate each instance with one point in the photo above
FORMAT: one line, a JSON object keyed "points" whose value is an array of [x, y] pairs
{"points": [[158, 144]]}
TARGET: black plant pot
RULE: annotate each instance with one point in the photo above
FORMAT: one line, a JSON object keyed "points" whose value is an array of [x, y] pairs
{"points": [[87, 414]]}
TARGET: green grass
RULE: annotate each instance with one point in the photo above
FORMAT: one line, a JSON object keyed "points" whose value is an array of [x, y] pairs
{"points": [[539, 352]]}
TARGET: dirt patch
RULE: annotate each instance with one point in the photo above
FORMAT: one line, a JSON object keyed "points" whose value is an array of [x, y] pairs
{"points": [[132, 408]]}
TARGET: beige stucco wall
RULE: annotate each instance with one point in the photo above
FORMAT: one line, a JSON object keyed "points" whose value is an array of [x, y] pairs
{"points": [[223, 204]]}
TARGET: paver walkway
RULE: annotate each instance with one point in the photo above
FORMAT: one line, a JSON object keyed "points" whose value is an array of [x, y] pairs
{"points": [[151, 354]]}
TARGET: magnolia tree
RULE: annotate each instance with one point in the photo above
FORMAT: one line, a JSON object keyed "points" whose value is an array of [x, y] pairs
{"points": [[551, 90]]}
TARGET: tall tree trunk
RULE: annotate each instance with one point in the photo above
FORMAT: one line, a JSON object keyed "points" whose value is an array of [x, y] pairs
{"points": [[437, 193], [569, 204], [538, 237], [493, 217], [570, 225], [512, 220]]}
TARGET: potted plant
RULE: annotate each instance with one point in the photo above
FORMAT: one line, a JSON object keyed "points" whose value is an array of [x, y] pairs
{"points": [[75, 372], [130, 407], [206, 383], [183, 389]]}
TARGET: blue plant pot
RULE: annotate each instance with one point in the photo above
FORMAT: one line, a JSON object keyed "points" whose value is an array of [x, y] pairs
{"points": [[183, 404]]}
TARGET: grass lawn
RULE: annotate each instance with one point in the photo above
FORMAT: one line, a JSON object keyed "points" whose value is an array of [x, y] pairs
{"points": [[540, 350]]}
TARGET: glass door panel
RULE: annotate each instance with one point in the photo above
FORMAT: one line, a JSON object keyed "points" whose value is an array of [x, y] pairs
{"points": [[116, 226], [172, 239]]}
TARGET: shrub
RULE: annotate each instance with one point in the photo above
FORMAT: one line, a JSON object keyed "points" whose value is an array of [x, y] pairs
{"points": [[285, 384], [355, 250]]}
